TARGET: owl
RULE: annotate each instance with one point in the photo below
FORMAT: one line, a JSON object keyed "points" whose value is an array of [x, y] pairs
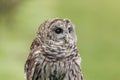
{"points": [[53, 52]]}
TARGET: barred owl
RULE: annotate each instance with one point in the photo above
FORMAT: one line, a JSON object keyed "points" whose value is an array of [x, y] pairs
{"points": [[53, 53]]}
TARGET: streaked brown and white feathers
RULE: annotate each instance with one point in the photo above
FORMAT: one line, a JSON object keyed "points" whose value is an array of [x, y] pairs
{"points": [[53, 52]]}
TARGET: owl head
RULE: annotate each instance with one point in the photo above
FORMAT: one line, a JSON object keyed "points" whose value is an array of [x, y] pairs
{"points": [[57, 32]]}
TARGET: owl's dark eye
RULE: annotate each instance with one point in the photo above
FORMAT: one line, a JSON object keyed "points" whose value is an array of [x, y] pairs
{"points": [[70, 29], [58, 30]]}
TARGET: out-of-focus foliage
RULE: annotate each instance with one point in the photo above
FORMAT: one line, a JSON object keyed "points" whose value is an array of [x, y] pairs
{"points": [[97, 26]]}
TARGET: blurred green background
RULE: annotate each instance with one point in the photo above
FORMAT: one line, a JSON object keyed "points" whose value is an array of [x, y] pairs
{"points": [[97, 26]]}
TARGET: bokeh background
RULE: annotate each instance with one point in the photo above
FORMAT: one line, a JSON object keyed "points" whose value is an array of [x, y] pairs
{"points": [[97, 27]]}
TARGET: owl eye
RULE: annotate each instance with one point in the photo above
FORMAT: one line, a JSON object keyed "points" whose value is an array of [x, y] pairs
{"points": [[58, 30], [70, 29]]}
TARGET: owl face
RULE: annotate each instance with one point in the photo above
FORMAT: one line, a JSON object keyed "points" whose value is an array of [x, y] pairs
{"points": [[61, 31]]}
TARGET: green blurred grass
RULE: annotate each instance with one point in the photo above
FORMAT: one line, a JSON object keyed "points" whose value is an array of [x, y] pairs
{"points": [[97, 26]]}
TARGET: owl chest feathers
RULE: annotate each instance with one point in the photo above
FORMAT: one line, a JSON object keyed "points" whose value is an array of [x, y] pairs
{"points": [[55, 67]]}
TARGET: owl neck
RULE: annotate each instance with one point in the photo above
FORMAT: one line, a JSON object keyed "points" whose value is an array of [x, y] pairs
{"points": [[55, 50], [59, 52]]}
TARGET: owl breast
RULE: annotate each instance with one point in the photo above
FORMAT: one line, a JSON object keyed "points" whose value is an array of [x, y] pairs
{"points": [[60, 69]]}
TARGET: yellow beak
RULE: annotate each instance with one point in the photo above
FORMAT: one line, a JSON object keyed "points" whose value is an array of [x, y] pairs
{"points": [[66, 39]]}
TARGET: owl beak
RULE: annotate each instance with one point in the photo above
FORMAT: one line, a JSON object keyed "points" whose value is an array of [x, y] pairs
{"points": [[66, 39]]}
